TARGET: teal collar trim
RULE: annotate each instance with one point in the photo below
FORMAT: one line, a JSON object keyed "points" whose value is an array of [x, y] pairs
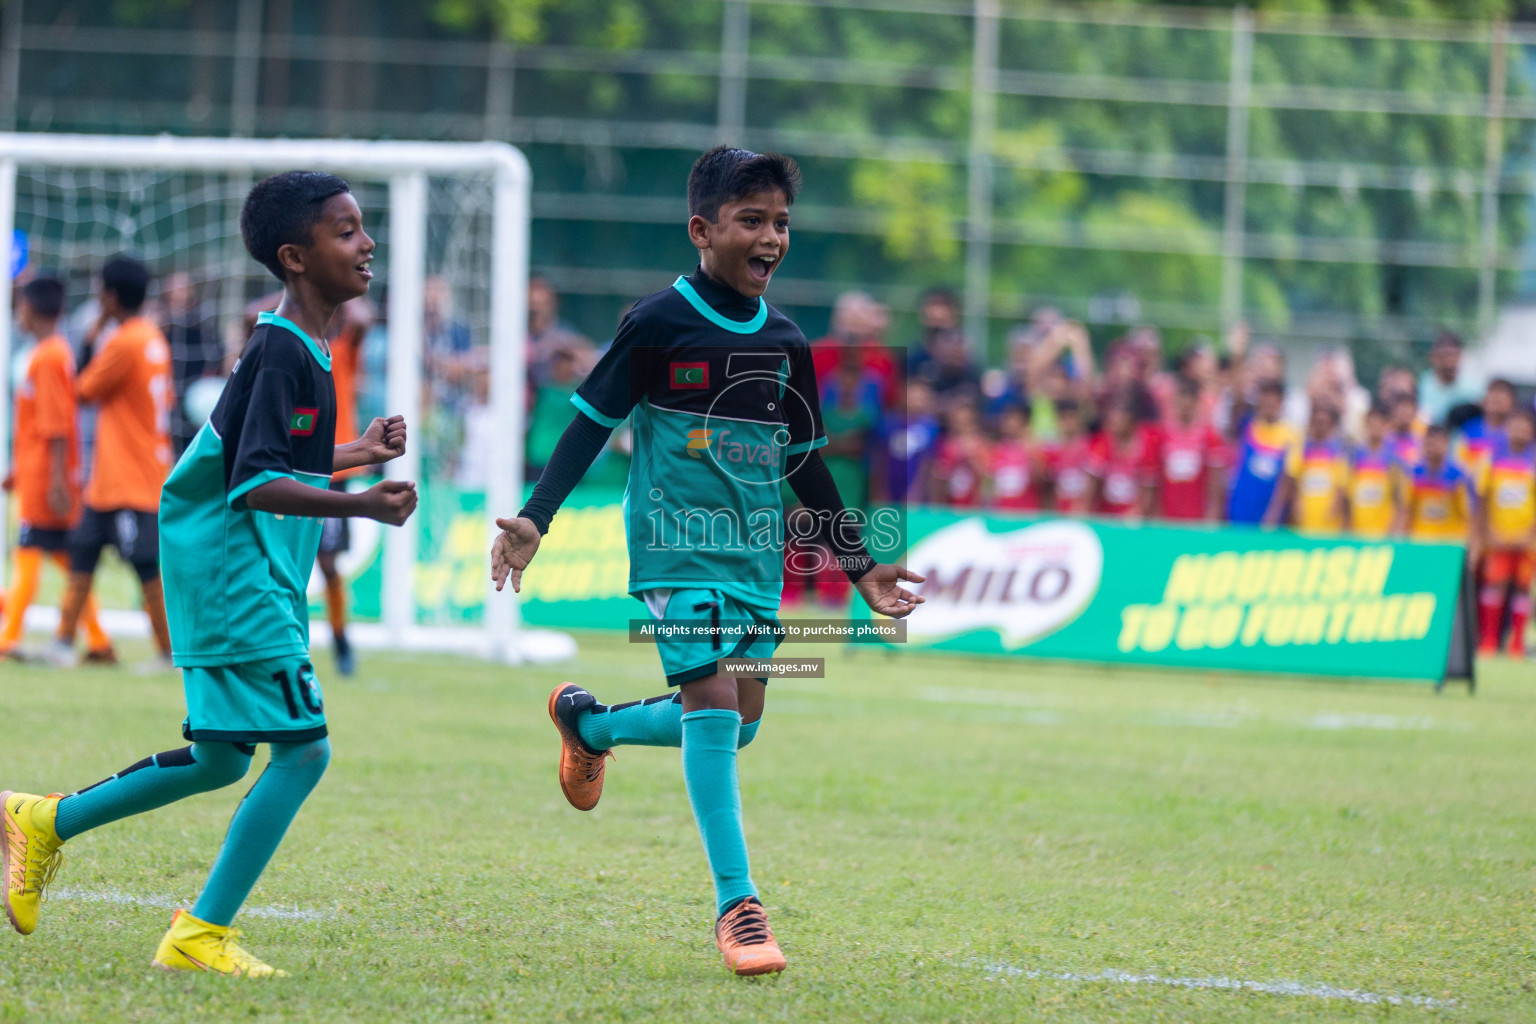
{"points": [[734, 326], [321, 355]]}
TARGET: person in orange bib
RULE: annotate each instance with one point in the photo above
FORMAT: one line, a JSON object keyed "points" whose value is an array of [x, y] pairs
{"points": [[45, 465], [1507, 513], [129, 380]]}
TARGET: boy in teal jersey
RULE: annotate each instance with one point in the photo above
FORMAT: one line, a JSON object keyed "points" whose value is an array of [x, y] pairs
{"points": [[240, 521], [722, 396]]}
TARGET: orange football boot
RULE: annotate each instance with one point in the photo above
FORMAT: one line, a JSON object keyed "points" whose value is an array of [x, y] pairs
{"points": [[581, 767], [746, 941]]}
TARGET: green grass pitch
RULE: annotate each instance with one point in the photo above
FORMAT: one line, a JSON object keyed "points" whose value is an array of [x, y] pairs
{"points": [[936, 839]]}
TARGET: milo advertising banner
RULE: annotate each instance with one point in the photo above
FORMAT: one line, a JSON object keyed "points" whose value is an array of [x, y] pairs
{"points": [[1231, 598], [1227, 598]]}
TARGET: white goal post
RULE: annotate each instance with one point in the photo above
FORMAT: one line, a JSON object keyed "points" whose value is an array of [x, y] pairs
{"points": [[404, 169]]}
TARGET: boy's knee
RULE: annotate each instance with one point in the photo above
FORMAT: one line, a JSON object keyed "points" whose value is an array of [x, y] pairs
{"points": [[310, 758], [222, 764], [748, 733]]}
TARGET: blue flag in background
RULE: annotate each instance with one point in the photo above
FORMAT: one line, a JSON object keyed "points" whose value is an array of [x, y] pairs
{"points": [[18, 253]]}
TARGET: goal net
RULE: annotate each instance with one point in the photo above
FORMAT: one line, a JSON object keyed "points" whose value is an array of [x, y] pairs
{"points": [[442, 332]]}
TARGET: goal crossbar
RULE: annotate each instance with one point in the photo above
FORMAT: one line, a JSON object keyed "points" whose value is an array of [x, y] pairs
{"points": [[406, 167]]}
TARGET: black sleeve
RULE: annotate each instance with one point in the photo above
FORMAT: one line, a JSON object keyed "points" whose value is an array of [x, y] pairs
{"points": [[804, 414], [264, 446], [817, 491], [609, 392], [581, 443]]}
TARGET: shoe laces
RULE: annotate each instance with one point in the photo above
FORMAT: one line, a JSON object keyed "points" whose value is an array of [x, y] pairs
{"points": [[591, 765], [230, 947], [747, 924], [43, 864]]}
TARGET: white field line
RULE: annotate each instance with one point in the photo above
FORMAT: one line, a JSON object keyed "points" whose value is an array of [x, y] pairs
{"points": [[126, 899], [1273, 988]]}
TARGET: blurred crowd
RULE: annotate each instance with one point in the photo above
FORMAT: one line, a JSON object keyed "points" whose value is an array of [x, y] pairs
{"points": [[1212, 433], [1209, 434]]}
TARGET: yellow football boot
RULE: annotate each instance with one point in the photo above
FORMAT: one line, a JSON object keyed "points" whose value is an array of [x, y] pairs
{"points": [[30, 856], [193, 945]]}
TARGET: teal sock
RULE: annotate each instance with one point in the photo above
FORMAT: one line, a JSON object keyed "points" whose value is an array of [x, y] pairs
{"points": [[653, 722], [709, 769], [259, 825], [150, 783]]}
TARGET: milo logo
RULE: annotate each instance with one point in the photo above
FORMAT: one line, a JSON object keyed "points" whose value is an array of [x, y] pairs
{"points": [[1025, 584]]}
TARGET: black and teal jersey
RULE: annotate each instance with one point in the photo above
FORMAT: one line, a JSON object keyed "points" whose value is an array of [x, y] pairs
{"points": [[724, 401], [235, 578]]}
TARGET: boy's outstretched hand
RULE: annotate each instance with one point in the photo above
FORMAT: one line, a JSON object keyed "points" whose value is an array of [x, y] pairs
{"points": [[391, 502], [512, 550], [383, 440], [882, 590]]}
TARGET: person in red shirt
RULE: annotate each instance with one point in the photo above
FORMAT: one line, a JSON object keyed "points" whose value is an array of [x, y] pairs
{"points": [[965, 459], [859, 322], [1018, 471], [1066, 461], [1192, 460], [1122, 462]]}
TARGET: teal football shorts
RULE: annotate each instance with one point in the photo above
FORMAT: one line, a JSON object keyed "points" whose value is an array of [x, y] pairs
{"points": [[743, 631], [273, 701]]}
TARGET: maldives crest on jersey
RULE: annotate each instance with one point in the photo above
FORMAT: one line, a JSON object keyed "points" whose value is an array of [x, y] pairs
{"points": [[302, 423], [690, 376]]}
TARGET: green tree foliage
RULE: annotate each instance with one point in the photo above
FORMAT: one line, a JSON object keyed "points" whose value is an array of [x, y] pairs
{"points": [[1066, 227]]}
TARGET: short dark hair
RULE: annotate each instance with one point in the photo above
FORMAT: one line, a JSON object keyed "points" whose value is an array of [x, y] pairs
{"points": [[1272, 387], [128, 279], [1379, 408], [939, 293], [726, 174], [45, 295], [1018, 408], [1067, 407], [1448, 339], [1438, 430], [1501, 384], [283, 210]]}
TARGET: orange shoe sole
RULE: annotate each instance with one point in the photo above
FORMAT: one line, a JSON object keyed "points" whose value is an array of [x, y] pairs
{"points": [[766, 962], [5, 864]]}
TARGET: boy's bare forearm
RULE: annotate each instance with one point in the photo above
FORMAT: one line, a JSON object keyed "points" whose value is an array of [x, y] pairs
{"points": [[287, 497], [350, 456]]}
